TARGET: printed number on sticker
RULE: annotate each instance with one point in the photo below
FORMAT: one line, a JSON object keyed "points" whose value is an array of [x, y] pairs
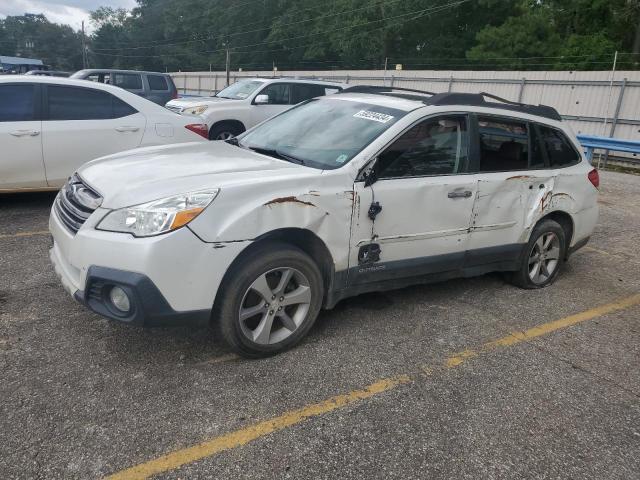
{"points": [[375, 116]]}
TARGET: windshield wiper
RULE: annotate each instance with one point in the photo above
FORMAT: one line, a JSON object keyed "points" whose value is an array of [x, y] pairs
{"points": [[274, 152]]}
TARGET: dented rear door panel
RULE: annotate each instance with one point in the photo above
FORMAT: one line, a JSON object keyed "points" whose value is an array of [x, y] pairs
{"points": [[506, 205]]}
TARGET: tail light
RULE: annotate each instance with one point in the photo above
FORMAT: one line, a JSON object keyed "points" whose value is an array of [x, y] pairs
{"points": [[594, 178], [200, 128]]}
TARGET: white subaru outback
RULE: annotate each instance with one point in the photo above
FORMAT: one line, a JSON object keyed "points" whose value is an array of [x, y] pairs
{"points": [[370, 189], [250, 101]]}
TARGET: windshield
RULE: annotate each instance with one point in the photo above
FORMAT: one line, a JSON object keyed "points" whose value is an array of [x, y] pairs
{"points": [[239, 90], [322, 133]]}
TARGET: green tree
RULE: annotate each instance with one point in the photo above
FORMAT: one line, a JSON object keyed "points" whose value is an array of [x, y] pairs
{"points": [[33, 36]]}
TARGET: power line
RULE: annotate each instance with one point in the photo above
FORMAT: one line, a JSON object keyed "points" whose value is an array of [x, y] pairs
{"points": [[386, 2], [417, 13], [205, 37]]}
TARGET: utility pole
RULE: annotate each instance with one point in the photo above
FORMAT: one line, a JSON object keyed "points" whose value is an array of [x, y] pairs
{"points": [[228, 62], [84, 49]]}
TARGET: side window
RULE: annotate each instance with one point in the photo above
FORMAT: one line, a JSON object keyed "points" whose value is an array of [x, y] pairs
{"points": [[278, 93], [559, 150], [157, 82], [436, 146], [504, 145], [17, 103], [128, 81], [306, 91], [72, 103]]}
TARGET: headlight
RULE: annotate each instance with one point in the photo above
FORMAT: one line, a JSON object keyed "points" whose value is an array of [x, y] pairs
{"points": [[197, 110], [159, 216]]}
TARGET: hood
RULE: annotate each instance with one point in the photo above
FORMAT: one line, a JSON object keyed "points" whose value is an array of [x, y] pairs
{"points": [[145, 174], [190, 101]]}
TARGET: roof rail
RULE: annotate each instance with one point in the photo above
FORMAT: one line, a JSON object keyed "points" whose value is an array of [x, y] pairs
{"points": [[389, 91], [478, 100], [381, 89], [452, 98]]}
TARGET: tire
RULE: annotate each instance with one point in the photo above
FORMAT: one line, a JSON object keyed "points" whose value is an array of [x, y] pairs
{"points": [[242, 314], [224, 131], [539, 271]]}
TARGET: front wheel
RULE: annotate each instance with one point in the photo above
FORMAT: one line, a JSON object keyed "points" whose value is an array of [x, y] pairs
{"points": [[543, 257], [269, 301]]}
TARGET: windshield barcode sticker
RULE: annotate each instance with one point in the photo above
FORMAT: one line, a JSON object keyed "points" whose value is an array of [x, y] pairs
{"points": [[375, 116]]}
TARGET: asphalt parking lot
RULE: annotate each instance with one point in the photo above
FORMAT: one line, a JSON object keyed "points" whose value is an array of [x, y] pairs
{"points": [[464, 379]]}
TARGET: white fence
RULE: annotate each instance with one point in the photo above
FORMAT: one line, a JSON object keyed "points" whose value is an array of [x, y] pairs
{"points": [[594, 103]]}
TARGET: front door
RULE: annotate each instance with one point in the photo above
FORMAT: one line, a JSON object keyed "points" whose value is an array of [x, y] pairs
{"points": [[21, 164], [279, 100], [421, 204]]}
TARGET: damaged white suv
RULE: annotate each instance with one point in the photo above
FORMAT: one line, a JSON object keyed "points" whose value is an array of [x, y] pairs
{"points": [[370, 189]]}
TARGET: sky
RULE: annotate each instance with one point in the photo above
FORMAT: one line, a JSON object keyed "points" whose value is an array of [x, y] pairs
{"points": [[69, 12]]}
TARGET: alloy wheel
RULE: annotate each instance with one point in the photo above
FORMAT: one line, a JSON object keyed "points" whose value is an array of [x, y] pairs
{"points": [[544, 258], [224, 136], [275, 305]]}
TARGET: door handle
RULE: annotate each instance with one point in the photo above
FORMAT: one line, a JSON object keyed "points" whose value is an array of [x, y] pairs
{"points": [[464, 194], [24, 133], [127, 129]]}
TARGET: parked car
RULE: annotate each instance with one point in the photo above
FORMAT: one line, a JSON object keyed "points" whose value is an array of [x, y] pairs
{"points": [[49, 73], [154, 86], [50, 126], [367, 190], [250, 101]]}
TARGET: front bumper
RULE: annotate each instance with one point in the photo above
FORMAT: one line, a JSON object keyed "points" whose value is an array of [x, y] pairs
{"points": [[171, 279], [148, 307]]}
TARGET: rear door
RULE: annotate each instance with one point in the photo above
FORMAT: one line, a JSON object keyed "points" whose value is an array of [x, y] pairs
{"points": [[82, 124], [425, 199], [513, 187], [129, 81], [279, 100], [21, 163]]}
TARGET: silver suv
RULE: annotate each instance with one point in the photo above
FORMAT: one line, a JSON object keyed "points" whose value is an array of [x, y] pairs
{"points": [[154, 86]]}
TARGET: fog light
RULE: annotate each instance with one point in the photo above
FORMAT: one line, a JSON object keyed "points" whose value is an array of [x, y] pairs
{"points": [[119, 299]]}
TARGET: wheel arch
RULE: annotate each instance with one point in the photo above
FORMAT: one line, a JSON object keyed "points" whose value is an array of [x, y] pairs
{"points": [[566, 222], [305, 240]]}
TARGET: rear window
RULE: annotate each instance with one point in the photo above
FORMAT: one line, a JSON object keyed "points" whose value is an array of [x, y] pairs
{"points": [[17, 103], [558, 148], [157, 82], [74, 103]]}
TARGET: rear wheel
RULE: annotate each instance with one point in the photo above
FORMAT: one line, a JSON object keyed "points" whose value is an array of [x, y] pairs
{"points": [[225, 131], [269, 301], [544, 256]]}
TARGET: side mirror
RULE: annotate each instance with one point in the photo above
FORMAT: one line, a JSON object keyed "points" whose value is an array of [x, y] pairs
{"points": [[370, 175], [261, 100]]}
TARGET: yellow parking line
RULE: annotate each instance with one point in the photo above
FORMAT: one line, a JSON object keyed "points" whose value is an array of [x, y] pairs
{"points": [[240, 437], [25, 234]]}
